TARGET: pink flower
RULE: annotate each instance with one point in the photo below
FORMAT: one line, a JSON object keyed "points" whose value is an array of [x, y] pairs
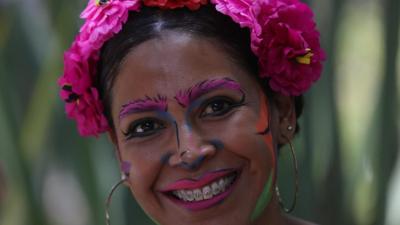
{"points": [[80, 62], [239, 10], [284, 38], [103, 22], [88, 113], [173, 4]]}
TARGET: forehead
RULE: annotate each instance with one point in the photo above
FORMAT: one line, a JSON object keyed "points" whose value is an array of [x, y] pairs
{"points": [[171, 63]]}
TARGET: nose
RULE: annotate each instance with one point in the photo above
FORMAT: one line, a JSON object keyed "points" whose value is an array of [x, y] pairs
{"points": [[192, 150]]}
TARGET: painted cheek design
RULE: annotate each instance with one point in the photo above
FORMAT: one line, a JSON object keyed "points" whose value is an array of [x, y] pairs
{"points": [[263, 128], [263, 124], [263, 121], [264, 198]]}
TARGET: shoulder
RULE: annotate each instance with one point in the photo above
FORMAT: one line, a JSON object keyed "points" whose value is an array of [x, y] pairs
{"points": [[290, 220]]}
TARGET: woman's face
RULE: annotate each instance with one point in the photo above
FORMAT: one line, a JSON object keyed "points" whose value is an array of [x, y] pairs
{"points": [[194, 126]]}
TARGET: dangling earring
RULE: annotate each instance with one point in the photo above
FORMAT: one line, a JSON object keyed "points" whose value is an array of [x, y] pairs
{"points": [[125, 168], [296, 174]]}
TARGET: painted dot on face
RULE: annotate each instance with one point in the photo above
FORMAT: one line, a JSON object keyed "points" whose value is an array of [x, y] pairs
{"points": [[126, 167]]}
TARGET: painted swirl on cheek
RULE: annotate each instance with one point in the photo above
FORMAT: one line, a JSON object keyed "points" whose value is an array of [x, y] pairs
{"points": [[263, 128]]}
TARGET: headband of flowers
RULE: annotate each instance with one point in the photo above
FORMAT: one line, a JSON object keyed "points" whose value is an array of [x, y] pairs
{"points": [[283, 37]]}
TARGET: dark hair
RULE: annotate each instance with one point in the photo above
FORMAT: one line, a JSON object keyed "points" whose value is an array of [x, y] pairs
{"points": [[150, 23]]}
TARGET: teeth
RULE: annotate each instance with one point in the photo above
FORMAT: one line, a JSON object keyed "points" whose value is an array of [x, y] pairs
{"points": [[221, 183], [183, 195], [215, 188], [189, 196], [207, 192], [198, 195]]}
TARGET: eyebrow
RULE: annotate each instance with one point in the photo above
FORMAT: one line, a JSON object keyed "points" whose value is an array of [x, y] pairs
{"points": [[158, 103], [186, 97]]}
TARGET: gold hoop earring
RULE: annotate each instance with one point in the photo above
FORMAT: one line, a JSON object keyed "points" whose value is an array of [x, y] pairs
{"points": [[296, 174], [124, 178]]}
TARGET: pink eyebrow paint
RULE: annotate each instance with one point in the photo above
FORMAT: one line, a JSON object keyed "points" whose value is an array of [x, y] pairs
{"points": [[158, 103], [185, 97]]}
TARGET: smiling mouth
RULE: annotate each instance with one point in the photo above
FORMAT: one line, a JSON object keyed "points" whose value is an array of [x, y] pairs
{"points": [[209, 191]]}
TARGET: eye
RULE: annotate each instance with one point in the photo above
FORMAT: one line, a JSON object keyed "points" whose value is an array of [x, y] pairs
{"points": [[218, 106], [143, 128]]}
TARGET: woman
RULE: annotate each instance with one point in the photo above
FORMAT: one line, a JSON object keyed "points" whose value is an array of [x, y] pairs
{"points": [[196, 97]]}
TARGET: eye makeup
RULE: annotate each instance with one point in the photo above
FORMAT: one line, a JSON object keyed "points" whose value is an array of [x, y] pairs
{"points": [[186, 97], [159, 103], [192, 98]]}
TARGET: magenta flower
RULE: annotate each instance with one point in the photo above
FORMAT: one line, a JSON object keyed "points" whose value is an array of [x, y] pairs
{"points": [[102, 22], [284, 38]]}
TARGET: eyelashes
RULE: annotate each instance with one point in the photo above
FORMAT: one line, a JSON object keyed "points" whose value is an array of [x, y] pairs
{"points": [[219, 106], [213, 108], [144, 127]]}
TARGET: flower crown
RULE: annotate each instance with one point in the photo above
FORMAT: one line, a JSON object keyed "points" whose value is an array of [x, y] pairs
{"points": [[283, 37]]}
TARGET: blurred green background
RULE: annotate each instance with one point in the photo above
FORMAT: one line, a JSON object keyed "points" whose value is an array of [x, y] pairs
{"points": [[348, 148]]}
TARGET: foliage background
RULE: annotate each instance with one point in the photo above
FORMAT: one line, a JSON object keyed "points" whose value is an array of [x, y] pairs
{"points": [[348, 149]]}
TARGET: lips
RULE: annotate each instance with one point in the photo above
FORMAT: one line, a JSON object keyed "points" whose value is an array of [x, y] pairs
{"points": [[205, 192]]}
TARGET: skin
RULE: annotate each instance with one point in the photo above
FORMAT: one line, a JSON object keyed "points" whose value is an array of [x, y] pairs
{"points": [[156, 159]]}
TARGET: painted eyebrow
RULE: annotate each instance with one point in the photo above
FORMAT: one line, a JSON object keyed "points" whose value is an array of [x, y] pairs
{"points": [[186, 97], [158, 103]]}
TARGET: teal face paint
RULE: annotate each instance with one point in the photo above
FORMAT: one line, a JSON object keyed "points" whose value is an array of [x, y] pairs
{"points": [[264, 199]]}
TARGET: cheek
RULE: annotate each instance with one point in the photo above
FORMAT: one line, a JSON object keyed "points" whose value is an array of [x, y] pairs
{"points": [[253, 134], [144, 169], [243, 136]]}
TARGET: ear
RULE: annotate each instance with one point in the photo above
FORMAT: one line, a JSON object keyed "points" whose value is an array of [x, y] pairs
{"points": [[287, 117]]}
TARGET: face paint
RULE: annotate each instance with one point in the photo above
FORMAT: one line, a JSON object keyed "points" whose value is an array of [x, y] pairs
{"points": [[158, 103], [264, 199], [165, 158], [187, 96], [218, 144], [190, 97], [193, 165], [170, 119], [263, 128], [126, 167]]}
